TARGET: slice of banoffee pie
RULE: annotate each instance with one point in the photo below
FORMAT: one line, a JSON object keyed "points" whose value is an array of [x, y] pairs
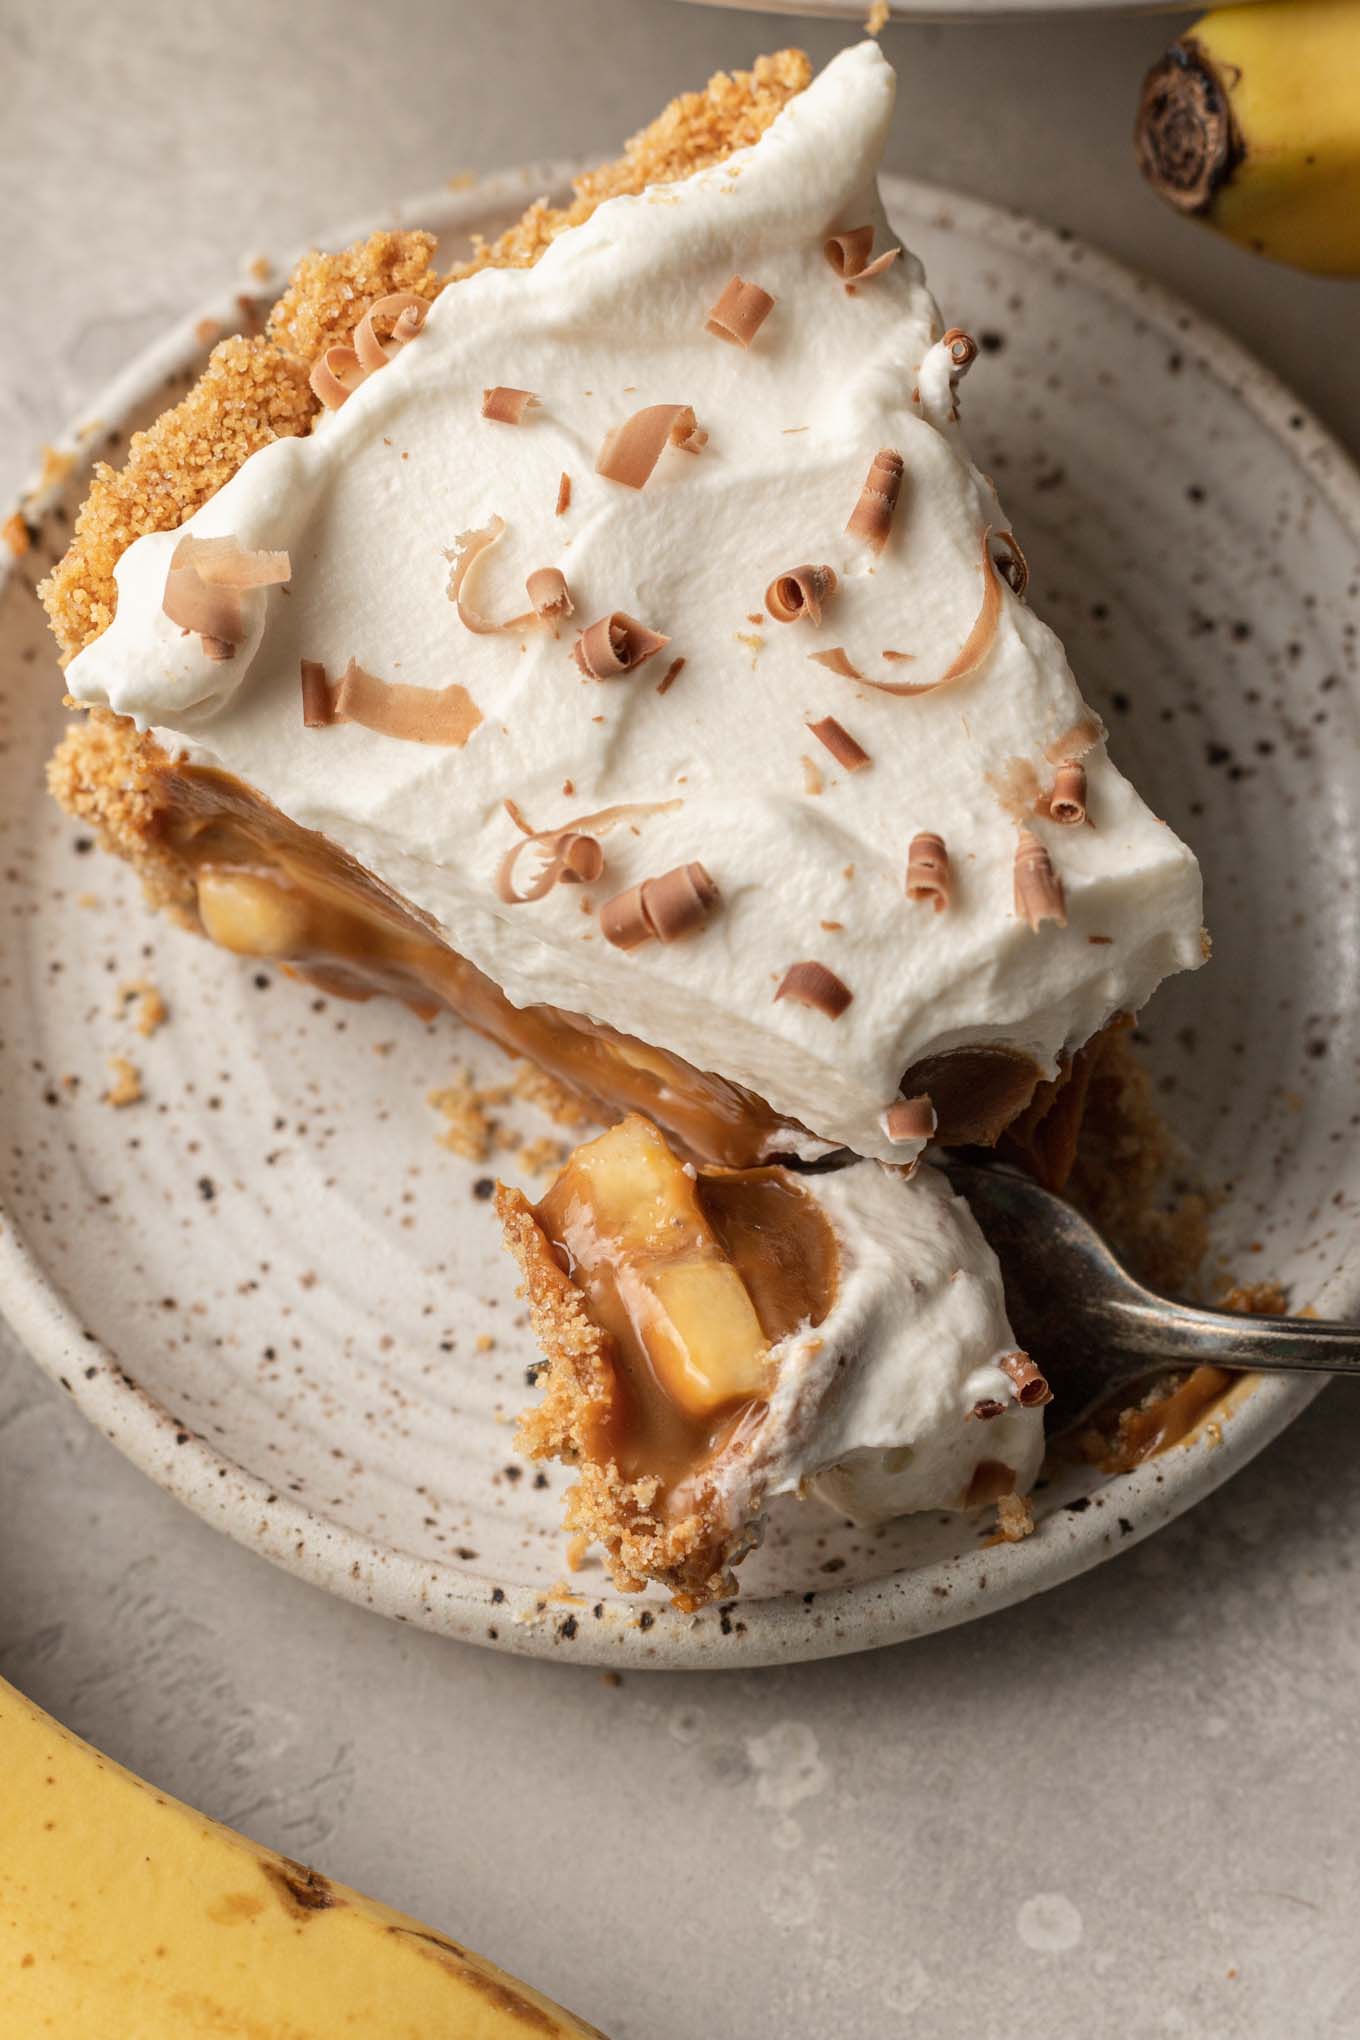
{"points": [[614, 643]]}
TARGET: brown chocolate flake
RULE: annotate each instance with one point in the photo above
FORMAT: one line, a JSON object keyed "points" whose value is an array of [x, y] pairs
{"points": [[670, 676], [570, 849], [506, 406], [848, 254], [975, 646], [1011, 563], [445, 716], [963, 348], [632, 449], [204, 584], [1038, 889], [662, 908], [812, 984], [837, 661], [840, 744], [549, 594], [318, 709], [335, 375], [739, 313], [987, 1409], [928, 870], [812, 775], [897, 658], [616, 644], [1076, 742], [800, 591], [909, 1119], [1067, 801], [563, 495], [871, 518], [1031, 1389]]}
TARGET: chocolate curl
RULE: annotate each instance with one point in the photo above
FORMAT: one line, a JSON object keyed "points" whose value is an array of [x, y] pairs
{"points": [[468, 548], [812, 984], [506, 406], [572, 851], [800, 591], [1038, 889], [335, 376], [445, 716], [1031, 1388], [975, 646], [848, 254], [836, 661], [204, 583], [632, 449], [662, 908], [616, 644], [963, 349], [1067, 802], [909, 1119], [563, 495], [408, 314], [928, 870], [871, 518], [740, 312], [840, 744], [317, 706], [1011, 563], [548, 592]]}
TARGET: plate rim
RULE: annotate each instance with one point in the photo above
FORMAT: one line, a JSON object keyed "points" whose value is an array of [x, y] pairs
{"points": [[453, 1601]]}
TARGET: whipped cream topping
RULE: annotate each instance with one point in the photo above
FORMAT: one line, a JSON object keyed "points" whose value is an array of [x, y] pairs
{"points": [[871, 1408], [610, 320]]}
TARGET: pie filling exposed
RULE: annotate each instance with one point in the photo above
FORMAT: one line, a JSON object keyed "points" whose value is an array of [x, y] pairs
{"points": [[705, 422]]}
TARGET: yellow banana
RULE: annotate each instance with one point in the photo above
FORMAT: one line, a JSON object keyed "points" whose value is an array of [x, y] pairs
{"points": [[127, 1916], [1251, 122]]}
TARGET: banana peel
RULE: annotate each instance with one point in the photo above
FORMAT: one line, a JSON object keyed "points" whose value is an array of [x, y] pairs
{"points": [[125, 1915], [1251, 124]]}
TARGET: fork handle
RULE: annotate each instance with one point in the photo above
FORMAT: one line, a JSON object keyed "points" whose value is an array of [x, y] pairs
{"points": [[1180, 1333]]}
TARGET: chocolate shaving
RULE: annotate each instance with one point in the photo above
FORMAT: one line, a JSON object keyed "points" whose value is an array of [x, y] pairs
{"points": [[1011, 563], [971, 652], [848, 254], [871, 518], [840, 744], [506, 406], [616, 644], [928, 870], [1075, 742], [548, 592], [812, 984], [836, 661], [204, 583], [571, 848], [670, 676], [1031, 1388], [800, 591], [408, 314], [1067, 802], [910, 1119], [317, 704], [662, 908], [416, 715], [740, 312], [1038, 889], [632, 449], [963, 348], [335, 375], [338, 372], [563, 495], [987, 1409]]}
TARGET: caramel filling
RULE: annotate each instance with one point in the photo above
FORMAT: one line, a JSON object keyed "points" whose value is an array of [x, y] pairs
{"points": [[269, 888], [695, 1279]]}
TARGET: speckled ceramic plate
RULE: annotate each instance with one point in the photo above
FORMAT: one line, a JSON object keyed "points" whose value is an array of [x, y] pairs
{"points": [[268, 1285], [856, 11]]}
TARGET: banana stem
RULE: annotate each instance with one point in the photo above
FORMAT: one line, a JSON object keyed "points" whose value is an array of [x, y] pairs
{"points": [[1185, 135]]}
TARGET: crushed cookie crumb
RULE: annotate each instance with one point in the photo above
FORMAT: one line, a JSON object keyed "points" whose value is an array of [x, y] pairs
{"points": [[152, 1011], [1015, 1518], [16, 535], [126, 1088]]}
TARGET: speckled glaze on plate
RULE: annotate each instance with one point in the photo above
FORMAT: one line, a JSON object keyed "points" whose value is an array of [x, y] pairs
{"points": [[274, 1292]]}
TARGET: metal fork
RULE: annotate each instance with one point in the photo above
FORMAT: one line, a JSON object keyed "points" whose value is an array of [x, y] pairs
{"points": [[1094, 1329]]}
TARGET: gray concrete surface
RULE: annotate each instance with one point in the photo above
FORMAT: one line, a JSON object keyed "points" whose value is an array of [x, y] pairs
{"points": [[1128, 1808]]}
